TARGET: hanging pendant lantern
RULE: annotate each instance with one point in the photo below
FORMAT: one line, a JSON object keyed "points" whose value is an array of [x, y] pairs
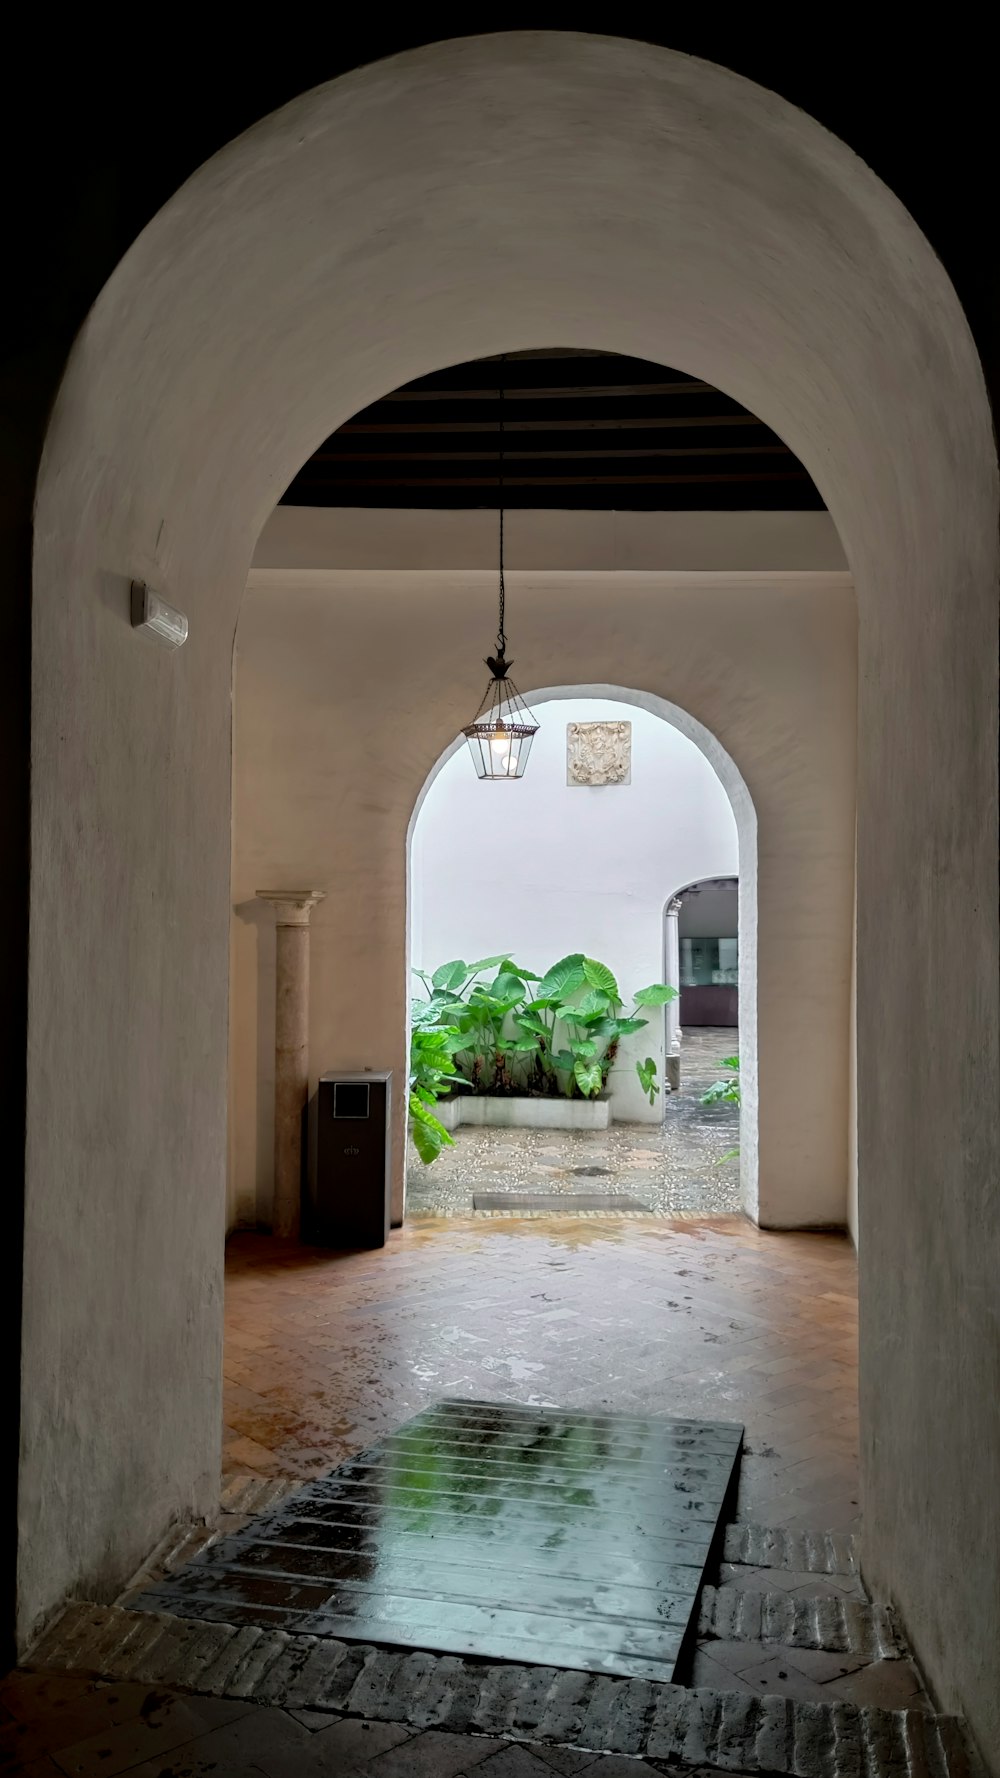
{"points": [[503, 728]]}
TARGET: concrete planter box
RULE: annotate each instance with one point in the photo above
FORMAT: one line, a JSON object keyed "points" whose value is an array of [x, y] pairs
{"points": [[523, 1113]]}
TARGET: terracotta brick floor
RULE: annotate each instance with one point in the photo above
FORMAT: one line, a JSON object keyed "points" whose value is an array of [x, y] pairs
{"points": [[326, 1352]]}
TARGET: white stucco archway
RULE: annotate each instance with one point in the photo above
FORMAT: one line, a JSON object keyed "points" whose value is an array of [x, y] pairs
{"points": [[350, 684], [741, 802], [473, 197]]}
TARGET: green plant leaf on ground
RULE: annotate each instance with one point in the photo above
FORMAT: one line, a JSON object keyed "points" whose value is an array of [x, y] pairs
{"points": [[731, 1062], [722, 1092], [731, 1154], [658, 994]]}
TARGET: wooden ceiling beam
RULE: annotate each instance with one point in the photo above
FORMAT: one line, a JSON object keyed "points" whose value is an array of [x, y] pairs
{"points": [[596, 428], [533, 481], [618, 423], [553, 392], [617, 456]]}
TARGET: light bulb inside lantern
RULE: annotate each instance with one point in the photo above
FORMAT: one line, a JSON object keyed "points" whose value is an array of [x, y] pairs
{"points": [[500, 744], [505, 763]]}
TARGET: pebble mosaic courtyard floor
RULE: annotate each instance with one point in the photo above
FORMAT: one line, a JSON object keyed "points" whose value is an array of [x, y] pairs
{"points": [[670, 1167]]}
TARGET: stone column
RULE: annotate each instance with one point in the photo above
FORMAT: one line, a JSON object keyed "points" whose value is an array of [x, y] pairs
{"points": [[292, 908], [673, 1007]]}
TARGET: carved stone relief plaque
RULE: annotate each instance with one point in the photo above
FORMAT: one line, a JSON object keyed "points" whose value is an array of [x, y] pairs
{"points": [[598, 753]]}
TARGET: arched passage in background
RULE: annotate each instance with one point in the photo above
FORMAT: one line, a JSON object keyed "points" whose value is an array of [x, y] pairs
{"points": [[703, 951], [469, 198], [517, 846]]}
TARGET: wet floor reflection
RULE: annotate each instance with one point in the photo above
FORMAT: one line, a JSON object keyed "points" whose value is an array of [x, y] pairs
{"points": [[514, 1533]]}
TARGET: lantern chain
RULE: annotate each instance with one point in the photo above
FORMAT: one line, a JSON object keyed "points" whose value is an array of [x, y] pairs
{"points": [[501, 634]]}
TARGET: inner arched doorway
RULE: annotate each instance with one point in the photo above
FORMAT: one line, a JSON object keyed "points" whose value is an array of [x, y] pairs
{"points": [[611, 195], [702, 952], [590, 863]]}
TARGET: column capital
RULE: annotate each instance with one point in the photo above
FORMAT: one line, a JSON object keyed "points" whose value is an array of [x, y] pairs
{"points": [[674, 907], [292, 907]]}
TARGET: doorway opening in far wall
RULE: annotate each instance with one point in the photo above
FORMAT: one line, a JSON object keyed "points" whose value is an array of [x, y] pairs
{"points": [[701, 952], [618, 798]]}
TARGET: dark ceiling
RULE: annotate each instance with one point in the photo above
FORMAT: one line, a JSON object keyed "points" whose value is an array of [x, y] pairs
{"points": [[579, 429]]}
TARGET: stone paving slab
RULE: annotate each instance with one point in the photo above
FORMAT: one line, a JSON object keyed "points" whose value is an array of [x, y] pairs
{"points": [[735, 1732]]}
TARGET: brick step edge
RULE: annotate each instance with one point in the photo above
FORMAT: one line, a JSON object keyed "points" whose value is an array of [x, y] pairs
{"points": [[255, 1493], [735, 1731], [805, 1552], [818, 1621], [243, 1497]]}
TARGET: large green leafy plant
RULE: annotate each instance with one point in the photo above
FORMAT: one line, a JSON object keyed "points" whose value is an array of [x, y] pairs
{"points": [[432, 1072], [524, 1033], [575, 1017]]}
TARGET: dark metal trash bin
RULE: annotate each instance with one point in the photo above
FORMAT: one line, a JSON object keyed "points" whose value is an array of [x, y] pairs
{"points": [[350, 1154]]}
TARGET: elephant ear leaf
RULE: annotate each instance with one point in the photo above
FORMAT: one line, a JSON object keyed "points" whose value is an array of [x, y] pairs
{"points": [[451, 975], [563, 978], [429, 1133], [507, 987], [591, 1005], [598, 975], [656, 995], [647, 1078], [588, 1077]]}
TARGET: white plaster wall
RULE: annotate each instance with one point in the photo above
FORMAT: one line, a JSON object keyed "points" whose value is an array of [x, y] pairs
{"points": [[472, 197], [303, 537], [351, 684], [541, 867]]}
